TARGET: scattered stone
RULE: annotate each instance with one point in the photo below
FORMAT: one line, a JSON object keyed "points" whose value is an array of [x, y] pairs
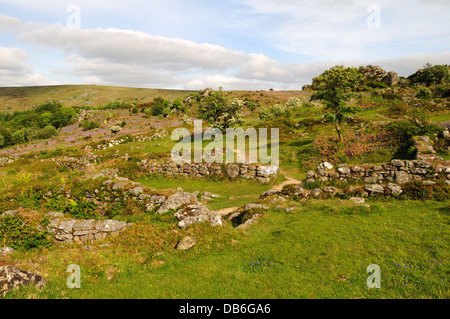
{"points": [[175, 201], [233, 170], [196, 213], [316, 192], [358, 200], [374, 189], [186, 243], [255, 206], [395, 189], [136, 191], [6, 251], [402, 177], [325, 166], [11, 278]]}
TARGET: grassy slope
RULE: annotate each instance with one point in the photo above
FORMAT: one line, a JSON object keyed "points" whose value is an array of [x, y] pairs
{"points": [[320, 251], [22, 98]]}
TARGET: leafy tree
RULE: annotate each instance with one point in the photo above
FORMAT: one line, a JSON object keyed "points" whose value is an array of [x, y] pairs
{"points": [[2, 140], [63, 117], [160, 107], [220, 111], [334, 90]]}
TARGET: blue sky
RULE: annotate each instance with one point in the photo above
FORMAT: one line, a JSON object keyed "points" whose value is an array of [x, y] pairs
{"points": [[193, 44]]}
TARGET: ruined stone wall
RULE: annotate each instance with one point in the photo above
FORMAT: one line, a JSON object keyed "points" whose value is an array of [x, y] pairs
{"points": [[398, 171], [258, 172]]}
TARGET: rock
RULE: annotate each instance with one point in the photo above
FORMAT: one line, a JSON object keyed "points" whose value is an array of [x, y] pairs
{"points": [[84, 227], [325, 166], [397, 163], [429, 183], [358, 200], [255, 206], [115, 129], [109, 226], [269, 193], [175, 201], [233, 170], [316, 192], [119, 186], [52, 215], [344, 170], [196, 213], [186, 243], [391, 78], [422, 164], [6, 251], [402, 177], [136, 191], [330, 190], [374, 189], [11, 278], [395, 189]]}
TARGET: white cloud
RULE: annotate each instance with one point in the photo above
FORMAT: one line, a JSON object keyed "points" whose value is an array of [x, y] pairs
{"points": [[13, 71], [8, 24]]}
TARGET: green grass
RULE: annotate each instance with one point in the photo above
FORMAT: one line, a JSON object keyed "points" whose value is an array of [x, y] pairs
{"points": [[321, 250], [232, 193]]}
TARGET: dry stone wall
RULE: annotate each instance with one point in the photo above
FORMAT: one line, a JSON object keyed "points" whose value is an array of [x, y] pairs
{"points": [[398, 171], [257, 172]]}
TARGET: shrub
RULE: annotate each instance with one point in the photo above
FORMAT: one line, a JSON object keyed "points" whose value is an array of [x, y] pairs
{"points": [[160, 107], [273, 111], [19, 137], [418, 191], [293, 102], [19, 235], [220, 111], [441, 91], [431, 75], [2, 140], [47, 132], [423, 93], [90, 125]]}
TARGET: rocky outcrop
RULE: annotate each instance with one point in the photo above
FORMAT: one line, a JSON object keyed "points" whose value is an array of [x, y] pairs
{"points": [[378, 74], [257, 172], [11, 278], [195, 214]]}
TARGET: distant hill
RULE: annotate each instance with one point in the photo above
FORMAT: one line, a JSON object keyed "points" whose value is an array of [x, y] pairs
{"points": [[23, 98]]}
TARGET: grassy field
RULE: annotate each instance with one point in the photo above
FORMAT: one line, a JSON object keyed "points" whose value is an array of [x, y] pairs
{"points": [[321, 250]]}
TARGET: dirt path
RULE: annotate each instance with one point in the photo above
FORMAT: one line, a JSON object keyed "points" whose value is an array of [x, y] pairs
{"points": [[279, 187]]}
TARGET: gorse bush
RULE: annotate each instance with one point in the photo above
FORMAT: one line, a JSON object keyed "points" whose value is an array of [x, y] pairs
{"points": [[18, 234], [90, 125], [273, 111], [423, 93]]}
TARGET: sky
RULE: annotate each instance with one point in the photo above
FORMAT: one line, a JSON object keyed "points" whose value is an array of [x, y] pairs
{"points": [[233, 44]]}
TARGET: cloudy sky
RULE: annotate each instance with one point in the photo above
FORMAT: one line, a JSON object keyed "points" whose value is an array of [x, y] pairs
{"points": [[193, 44]]}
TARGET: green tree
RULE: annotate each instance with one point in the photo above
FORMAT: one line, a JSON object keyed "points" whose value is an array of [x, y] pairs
{"points": [[161, 106], [334, 90], [220, 111]]}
